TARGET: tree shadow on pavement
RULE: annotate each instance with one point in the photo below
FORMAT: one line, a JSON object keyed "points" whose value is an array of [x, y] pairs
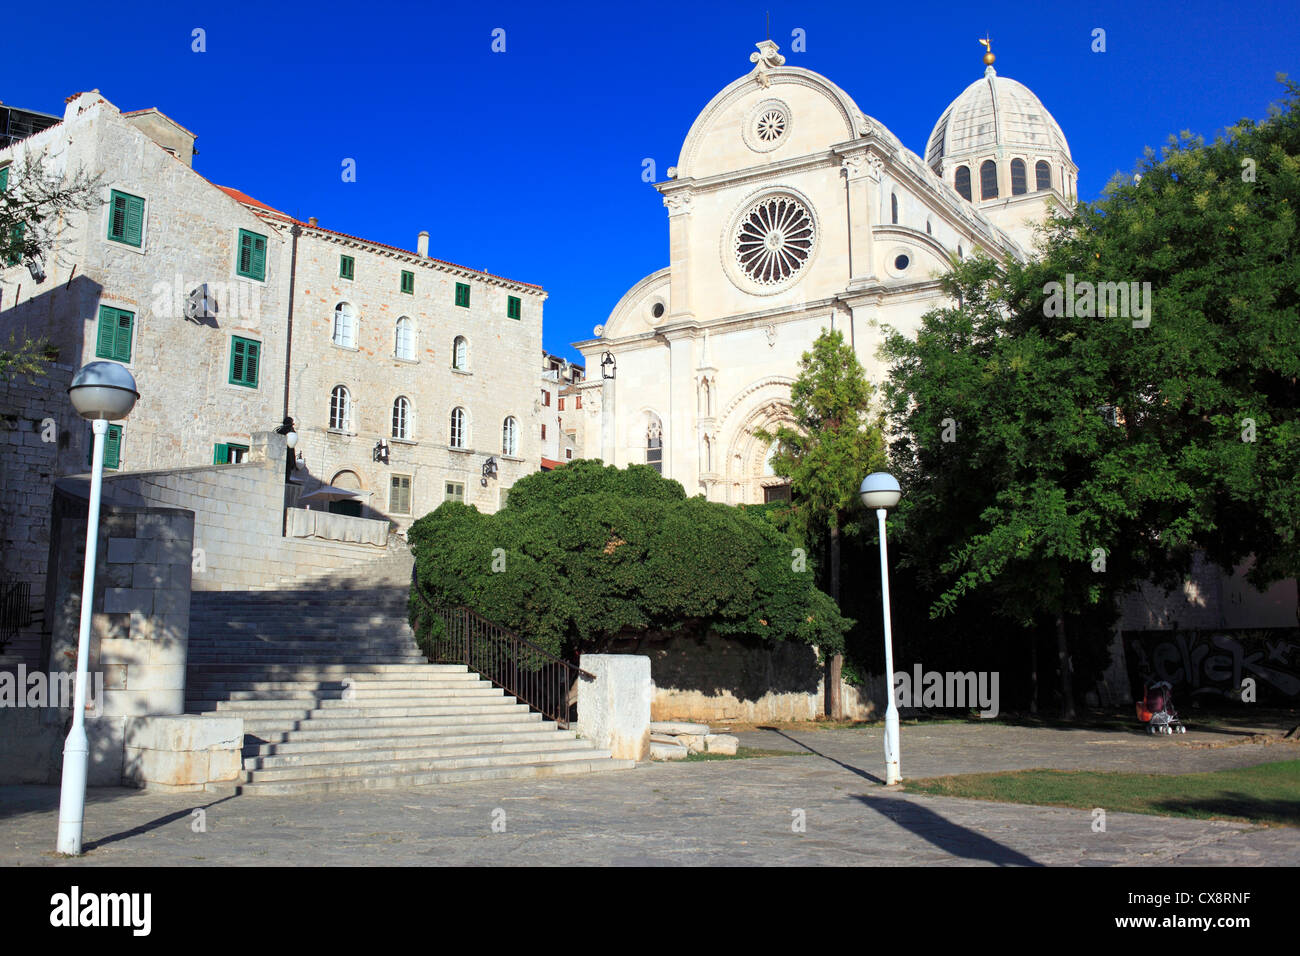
{"points": [[944, 834]]}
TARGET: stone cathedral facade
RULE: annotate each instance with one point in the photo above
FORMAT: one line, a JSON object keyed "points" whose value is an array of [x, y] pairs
{"points": [[790, 210]]}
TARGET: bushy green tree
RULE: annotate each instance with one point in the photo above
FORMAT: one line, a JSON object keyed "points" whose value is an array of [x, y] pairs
{"points": [[588, 553]]}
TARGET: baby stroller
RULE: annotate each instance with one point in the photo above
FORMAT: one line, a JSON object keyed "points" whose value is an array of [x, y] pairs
{"points": [[1156, 709]]}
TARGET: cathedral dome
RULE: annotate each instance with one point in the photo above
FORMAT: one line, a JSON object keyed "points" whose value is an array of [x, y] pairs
{"points": [[992, 115]]}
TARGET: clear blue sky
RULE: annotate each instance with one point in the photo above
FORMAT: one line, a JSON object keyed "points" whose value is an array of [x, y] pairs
{"points": [[528, 163]]}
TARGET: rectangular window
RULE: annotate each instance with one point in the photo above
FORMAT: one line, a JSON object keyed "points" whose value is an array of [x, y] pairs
{"points": [[17, 232], [4, 177], [229, 454], [561, 403], [347, 267], [252, 256], [245, 355], [513, 307], [126, 219], [462, 295], [399, 495], [577, 401], [455, 491], [568, 454], [543, 433], [546, 398], [115, 328], [408, 282], [112, 448]]}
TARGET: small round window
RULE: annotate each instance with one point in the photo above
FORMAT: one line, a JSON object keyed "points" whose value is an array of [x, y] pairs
{"points": [[901, 263], [658, 310]]}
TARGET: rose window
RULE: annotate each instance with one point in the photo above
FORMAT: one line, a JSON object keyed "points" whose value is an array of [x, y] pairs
{"points": [[774, 240], [770, 126]]}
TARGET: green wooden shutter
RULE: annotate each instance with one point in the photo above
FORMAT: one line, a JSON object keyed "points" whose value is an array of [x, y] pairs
{"points": [[408, 282], [252, 255], [250, 372], [134, 220], [4, 178], [112, 448], [123, 338], [462, 295], [237, 362], [259, 256], [107, 338], [244, 354]]}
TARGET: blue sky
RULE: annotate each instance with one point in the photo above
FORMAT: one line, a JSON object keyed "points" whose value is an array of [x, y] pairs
{"points": [[528, 163]]}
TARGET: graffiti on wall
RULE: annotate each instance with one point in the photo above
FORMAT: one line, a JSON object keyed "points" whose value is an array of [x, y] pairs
{"points": [[1213, 664]]}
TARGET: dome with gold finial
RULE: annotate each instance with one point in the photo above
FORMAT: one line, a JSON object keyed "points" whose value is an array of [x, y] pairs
{"points": [[999, 120]]}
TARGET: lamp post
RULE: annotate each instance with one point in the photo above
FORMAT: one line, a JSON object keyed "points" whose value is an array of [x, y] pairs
{"points": [[880, 491], [608, 372], [101, 392]]}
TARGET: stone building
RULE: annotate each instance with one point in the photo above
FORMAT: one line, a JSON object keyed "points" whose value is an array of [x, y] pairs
{"points": [[561, 404], [411, 380], [790, 210]]}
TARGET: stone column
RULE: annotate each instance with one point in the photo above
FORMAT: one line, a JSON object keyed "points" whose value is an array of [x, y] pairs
{"points": [[607, 425], [862, 171]]}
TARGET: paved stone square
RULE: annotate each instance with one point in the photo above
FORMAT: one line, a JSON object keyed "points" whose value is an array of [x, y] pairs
{"points": [[731, 812]]}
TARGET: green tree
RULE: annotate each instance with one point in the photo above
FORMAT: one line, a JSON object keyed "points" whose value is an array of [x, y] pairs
{"points": [[34, 206], [831, 447], [1055, 457], [588, 553]]}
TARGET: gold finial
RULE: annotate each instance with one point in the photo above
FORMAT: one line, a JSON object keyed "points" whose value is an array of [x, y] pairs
{"points": [[987, 44]]}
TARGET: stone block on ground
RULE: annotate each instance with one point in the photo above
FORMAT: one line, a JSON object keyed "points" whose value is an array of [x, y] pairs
{"points": [[614, 708], [675, 727], [666, 751], [721, 744]]}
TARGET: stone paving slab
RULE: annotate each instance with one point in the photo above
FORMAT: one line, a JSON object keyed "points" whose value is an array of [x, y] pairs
{"points": [[730, 812]]}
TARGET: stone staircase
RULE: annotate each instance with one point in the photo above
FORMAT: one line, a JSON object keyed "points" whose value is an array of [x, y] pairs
{"points": [[336, 696]]}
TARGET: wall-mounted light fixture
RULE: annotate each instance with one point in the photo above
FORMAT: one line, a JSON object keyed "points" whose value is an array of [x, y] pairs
{"points": [[608, 367]]}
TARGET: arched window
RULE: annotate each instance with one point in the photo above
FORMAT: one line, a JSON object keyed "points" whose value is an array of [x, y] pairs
{"points": [[1019, 184], [1042, 175], [962, 181], [340, 408], [510, 437], [402, 418], [988, 180], [457, 428], [654, 445], [345, 325], [460, 353], [893, 208], [928, 230], [404, 346]]}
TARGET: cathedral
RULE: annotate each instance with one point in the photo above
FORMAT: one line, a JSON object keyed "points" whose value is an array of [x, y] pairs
{"points": [[791, 211]]}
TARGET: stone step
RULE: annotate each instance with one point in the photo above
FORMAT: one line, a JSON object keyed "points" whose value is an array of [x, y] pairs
{"points": [[289, 660], [417, 765], [386, 753], [595, 763], [245, 670], [449, 736], [239, 690], [413, 729], [256, 710], [270, 724], [335, 699]]}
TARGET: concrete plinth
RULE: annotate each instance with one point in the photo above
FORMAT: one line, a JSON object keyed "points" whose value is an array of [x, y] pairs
{"points": [[614, 709]]}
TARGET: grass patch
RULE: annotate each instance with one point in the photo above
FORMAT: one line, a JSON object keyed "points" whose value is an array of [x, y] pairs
{"points": [[1267, 793], [745, 753]]}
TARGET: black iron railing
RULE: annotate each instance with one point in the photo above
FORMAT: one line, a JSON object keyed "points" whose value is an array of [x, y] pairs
{"points": [[15, 609], [519, 667]]}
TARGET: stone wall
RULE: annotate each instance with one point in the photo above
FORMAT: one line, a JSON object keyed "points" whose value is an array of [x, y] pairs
{"points": [[238, 519], [718, 679]]}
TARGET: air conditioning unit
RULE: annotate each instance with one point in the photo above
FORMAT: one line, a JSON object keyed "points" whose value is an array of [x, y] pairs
{"points": [[201, 304]]}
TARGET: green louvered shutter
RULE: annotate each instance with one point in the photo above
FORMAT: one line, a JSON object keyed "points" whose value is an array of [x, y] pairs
{"points": [[244, 355], [123, 338], [252, 255], [112, 447], [4, 178], [107, 338]]}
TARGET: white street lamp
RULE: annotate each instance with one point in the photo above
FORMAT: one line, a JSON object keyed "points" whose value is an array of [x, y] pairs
{"points": [[880, 491], [101, 392]]}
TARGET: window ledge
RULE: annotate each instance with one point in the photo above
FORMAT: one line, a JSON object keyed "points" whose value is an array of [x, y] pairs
{"points": [[345, 348], [402, 441], [461, 371], [516, 458], [460, 451], [405, 361]]}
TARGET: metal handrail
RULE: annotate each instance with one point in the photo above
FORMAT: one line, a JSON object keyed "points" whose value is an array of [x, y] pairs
{"points": [[15, 608], [530, 673]]}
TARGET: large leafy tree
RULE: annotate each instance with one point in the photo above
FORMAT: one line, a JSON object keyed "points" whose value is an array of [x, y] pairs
{"points": [[1053, 460], [589, 553], [832, 446]]}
